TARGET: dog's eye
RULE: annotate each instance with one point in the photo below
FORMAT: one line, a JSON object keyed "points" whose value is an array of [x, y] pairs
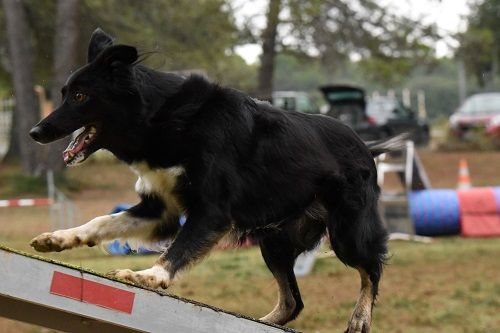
{"points": [[79, 97]]}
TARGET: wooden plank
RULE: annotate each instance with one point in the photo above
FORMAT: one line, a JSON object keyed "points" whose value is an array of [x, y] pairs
{"points": [[63, 297]]}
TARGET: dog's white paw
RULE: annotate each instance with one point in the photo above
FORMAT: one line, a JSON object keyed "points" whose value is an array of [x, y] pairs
{"points": [[55, 241], [154, 277], [282, 312]]}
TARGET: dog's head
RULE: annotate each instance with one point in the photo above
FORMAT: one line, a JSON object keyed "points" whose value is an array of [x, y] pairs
{"points": [[99, 98]]}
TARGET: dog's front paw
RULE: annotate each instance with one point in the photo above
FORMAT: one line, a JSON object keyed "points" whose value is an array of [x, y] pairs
{"points": [[49, 242], [154, 277]]}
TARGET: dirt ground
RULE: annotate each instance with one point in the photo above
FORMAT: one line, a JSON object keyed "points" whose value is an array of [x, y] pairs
{"points": [[451, 285], [442, 168]]}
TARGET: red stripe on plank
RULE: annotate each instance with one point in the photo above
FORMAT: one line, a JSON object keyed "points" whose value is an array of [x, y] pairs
{"points": [[92, 292]]}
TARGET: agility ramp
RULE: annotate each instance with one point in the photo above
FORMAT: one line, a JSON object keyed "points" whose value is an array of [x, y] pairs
{"points": [[40, 291]]}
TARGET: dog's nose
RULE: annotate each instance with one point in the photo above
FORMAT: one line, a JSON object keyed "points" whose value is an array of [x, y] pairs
{"points": [[36, 133]]}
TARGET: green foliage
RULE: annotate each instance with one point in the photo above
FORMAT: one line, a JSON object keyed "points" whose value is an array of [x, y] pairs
{"points": [[171, 35], [389, 46], [14, 184], [292, 73], [234, 72], [479, 44], [177, 35], [476, 50], [386, 72], [185, 35], [18, 184]]}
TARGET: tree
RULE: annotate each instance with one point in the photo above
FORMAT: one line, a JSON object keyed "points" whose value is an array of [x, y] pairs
{"points": [[476, 50], [14, 151], [337, 30], [479, 43], [66, 41], [22, 60], [171, 35], [269, 35]]}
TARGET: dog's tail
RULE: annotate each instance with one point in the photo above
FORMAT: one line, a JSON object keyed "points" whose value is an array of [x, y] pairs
{"points": [[395, 143]]}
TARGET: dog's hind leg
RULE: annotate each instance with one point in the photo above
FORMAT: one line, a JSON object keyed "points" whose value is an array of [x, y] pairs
{"points": [[279, 253], [359, 240], [360, 320]]}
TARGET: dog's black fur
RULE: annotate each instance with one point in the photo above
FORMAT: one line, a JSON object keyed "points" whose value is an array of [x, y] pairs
{"points": [[286, 178]]}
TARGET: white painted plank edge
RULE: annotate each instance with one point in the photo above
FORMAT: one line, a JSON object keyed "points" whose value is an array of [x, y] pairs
{"points": [[28, 279]]}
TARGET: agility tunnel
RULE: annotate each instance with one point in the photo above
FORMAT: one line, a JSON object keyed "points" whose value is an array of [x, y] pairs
{"points": [[435, 212], [473, 212]]}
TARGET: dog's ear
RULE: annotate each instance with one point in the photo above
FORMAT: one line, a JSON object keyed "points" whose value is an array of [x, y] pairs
{"points": [[119, 55], [98, 42]]}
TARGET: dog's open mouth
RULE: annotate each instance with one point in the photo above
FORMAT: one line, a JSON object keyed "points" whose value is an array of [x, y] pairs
{"points": [[77, 150]]}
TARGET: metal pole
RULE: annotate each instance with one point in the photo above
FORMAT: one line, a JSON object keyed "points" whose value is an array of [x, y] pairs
{"points": [[60, 201], [422, 111], [52, 197], [406, 97]]}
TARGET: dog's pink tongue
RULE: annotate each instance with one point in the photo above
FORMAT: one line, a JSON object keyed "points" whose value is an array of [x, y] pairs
{"points": [[74, 147]]}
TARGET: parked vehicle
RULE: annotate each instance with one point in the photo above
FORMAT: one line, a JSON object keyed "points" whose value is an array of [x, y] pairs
{"points": [[376, 118], [493, 130], [475, 114], [394, 118], [348, 104], [294, 101]]}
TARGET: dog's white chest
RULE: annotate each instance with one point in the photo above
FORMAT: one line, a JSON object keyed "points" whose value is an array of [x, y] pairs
{"points": [[160, 182]]}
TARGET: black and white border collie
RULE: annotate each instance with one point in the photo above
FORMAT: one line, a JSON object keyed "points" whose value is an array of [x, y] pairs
{"points": [[230, 163]]}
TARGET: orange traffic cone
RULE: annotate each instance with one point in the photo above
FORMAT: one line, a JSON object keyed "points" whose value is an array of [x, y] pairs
{"points": [[463, 175]]}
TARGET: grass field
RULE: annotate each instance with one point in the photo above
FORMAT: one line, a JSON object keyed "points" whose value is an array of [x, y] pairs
{"points": [[450, 285]]}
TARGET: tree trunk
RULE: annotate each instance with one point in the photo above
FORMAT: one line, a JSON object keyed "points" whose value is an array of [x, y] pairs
{"points": [[65, 60], [22, 58], [266, 70], [13, 152]]}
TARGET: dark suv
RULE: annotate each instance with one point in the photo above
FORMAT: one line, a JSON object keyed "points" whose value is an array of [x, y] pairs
{"points": [[377, 118], [348, 104], [394, 118]]}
